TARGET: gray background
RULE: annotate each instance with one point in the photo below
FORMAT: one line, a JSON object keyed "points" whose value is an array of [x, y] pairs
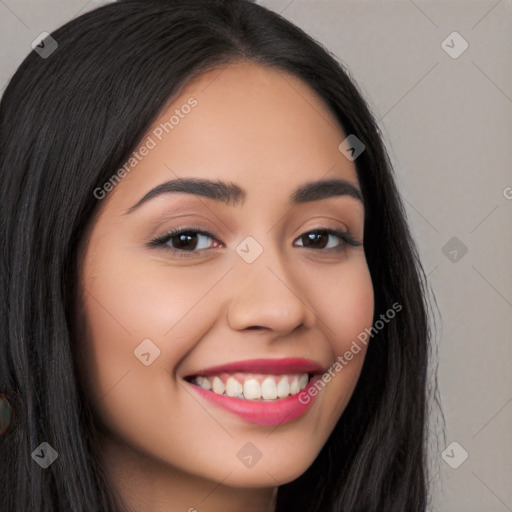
{"points": [[447, 125]]}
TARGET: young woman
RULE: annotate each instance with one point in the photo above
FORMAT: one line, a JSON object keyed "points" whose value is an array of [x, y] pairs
{"points": [[210, 296]]}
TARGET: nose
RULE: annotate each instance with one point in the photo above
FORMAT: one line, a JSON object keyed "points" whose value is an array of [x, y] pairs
{"points": [[265, 295]]}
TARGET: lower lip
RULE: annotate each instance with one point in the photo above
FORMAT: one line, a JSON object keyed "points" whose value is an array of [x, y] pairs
{"points": [[273, 412]]}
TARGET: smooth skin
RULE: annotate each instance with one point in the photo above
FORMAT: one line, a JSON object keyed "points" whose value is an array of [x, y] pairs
{"points": [[165, 448]]}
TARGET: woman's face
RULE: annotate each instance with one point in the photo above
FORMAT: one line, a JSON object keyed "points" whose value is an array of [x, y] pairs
{"points": [[269, 301]]}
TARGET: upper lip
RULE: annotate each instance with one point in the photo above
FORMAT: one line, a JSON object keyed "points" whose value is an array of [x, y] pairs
{"points": [[264, 366]]}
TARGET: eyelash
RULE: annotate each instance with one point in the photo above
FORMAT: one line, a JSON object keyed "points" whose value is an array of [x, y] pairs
{"points": [[161, 242]]}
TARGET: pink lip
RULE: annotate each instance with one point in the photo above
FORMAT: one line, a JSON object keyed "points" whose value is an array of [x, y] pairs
{"points": [[273, 412], [266, 366]]}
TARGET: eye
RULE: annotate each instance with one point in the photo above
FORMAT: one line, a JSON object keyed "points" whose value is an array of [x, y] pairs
{"points": [[325, 239], [182, 241]]}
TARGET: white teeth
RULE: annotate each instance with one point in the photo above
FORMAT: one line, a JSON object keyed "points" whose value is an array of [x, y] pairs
{"points": [[218, 386], [303, 381], [252, 389], [294, 386], [204, 383], [233, 387], [283, 388], [255, 386], [269, 389]]}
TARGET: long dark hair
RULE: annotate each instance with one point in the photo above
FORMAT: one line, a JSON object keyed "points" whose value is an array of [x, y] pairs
{"points": [[67, 122]]}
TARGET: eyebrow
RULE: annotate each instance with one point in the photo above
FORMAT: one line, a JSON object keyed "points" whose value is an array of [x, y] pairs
{"points": [[232, 194]]}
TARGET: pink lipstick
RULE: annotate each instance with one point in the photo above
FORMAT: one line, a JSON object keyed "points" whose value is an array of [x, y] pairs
{"points": [[261, 391]]}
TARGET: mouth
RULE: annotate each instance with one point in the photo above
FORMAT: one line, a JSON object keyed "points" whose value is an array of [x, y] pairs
{"points": [[265, 392], [253, 386]]}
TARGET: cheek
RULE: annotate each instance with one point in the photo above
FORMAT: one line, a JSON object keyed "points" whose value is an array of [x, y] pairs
{"points": [[145, 295], [344, 301], [126, 303]]}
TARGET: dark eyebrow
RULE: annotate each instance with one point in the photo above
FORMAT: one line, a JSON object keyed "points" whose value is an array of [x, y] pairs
{"points": [[232, 194]]}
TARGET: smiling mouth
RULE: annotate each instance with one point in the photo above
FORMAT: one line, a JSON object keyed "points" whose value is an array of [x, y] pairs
{"points": [[265, 392], [252, 386]]}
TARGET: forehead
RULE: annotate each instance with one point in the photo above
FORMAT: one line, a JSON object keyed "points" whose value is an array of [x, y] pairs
{"points": [[259, 127]]}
